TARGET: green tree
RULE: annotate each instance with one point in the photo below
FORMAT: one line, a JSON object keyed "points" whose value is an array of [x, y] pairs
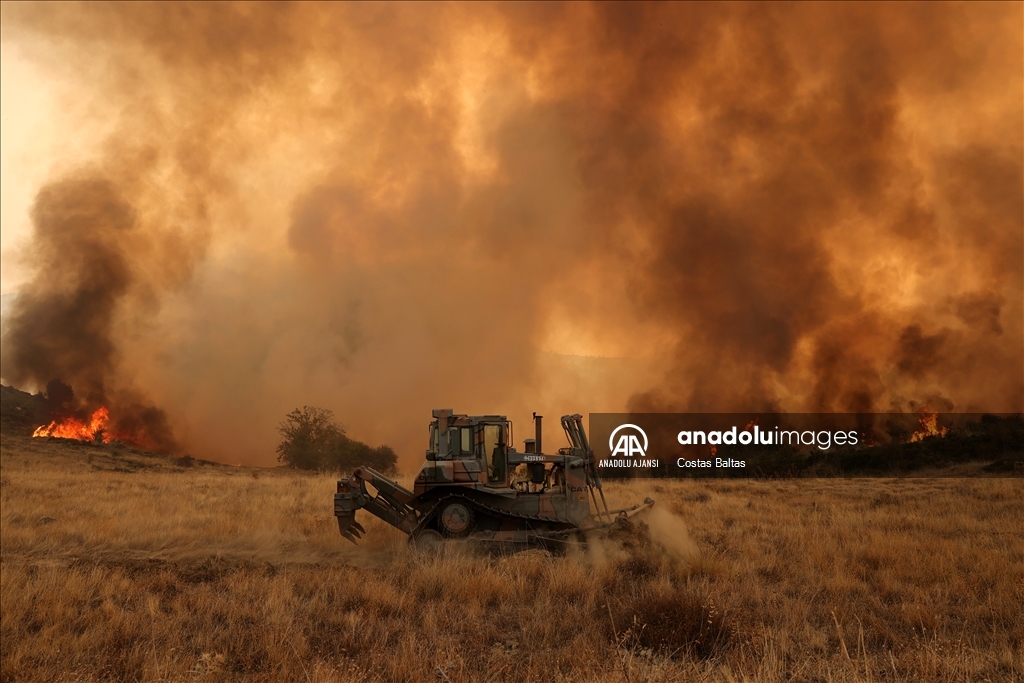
{"points": [[310, 435], [350, 454], [313, 440]]}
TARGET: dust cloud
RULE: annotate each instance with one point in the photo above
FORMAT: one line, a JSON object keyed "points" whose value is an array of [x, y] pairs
{"points": [[671, 533], [655, 534], [383, 209]]}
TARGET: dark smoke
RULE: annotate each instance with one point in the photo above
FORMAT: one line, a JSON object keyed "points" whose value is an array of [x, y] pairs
{"points": [[64, 323], [61, 326], [59, 400], [381, 209]]}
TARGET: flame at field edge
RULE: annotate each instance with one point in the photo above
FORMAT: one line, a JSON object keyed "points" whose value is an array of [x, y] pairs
{"points": [[73, 428], [929, 426]]}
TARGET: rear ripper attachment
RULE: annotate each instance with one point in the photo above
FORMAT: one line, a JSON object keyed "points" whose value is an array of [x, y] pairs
{"points": [[475, 486]]}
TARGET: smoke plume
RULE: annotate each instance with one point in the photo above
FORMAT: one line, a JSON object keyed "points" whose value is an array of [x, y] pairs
{"points": [[64, 326], [382, 209]]}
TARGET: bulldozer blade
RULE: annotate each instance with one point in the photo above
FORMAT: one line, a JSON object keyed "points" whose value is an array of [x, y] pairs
{"points": [[350, 528]]}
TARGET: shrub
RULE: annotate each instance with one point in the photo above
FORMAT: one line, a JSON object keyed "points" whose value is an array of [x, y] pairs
{"points": [[313, 440]]}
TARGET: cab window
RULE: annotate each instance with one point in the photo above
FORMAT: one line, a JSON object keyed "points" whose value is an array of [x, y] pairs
{"points": [[494, 452], [460, 441]]}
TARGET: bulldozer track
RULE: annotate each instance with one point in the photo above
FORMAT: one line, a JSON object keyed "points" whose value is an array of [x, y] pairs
{"points": [[493, 511]]}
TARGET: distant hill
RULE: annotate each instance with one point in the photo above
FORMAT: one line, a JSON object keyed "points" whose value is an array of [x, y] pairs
{"points": [[20, 411]]}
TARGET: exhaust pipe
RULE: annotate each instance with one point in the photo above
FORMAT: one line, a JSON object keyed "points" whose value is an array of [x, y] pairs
{"points": [[537, 420]]}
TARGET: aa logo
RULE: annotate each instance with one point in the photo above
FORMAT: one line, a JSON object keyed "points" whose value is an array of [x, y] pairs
{"points": [[628, 443]]}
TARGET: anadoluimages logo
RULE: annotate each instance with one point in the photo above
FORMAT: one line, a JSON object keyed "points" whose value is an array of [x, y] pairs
{"points": [[628, 443]]}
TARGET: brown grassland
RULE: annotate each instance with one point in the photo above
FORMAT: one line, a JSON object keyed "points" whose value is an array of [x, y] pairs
{"points": [[118, 565]]}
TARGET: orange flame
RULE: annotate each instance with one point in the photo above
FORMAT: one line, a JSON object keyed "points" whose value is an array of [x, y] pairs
{"points": [[713, 450], [929, 426], [73, 428]]}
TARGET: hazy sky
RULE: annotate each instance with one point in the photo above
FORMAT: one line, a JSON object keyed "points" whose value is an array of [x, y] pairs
{"points": [[213, 214]]}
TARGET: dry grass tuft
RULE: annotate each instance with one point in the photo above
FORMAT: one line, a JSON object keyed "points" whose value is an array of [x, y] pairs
{"points": [[670, 621]]}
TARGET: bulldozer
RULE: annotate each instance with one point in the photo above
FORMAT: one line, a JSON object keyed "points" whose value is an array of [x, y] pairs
{"points": [[475, 487]]}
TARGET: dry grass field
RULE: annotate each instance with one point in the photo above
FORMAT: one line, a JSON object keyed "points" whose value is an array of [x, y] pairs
{"points": [[124, 566]]}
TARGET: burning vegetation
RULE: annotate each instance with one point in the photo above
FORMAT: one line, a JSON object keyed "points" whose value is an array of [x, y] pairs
{"points": [[98, 428], [59, 414], [929, 426], [73, 428]]}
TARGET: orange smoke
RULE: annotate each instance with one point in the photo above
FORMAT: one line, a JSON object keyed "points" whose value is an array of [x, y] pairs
{"points": [[384, 209]]}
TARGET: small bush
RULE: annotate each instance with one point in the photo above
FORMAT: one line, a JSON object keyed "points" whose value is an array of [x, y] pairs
{"points": [[670, 621]]}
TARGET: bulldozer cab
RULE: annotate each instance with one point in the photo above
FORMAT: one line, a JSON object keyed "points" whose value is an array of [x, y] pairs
{"points": [[484, 439]]}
